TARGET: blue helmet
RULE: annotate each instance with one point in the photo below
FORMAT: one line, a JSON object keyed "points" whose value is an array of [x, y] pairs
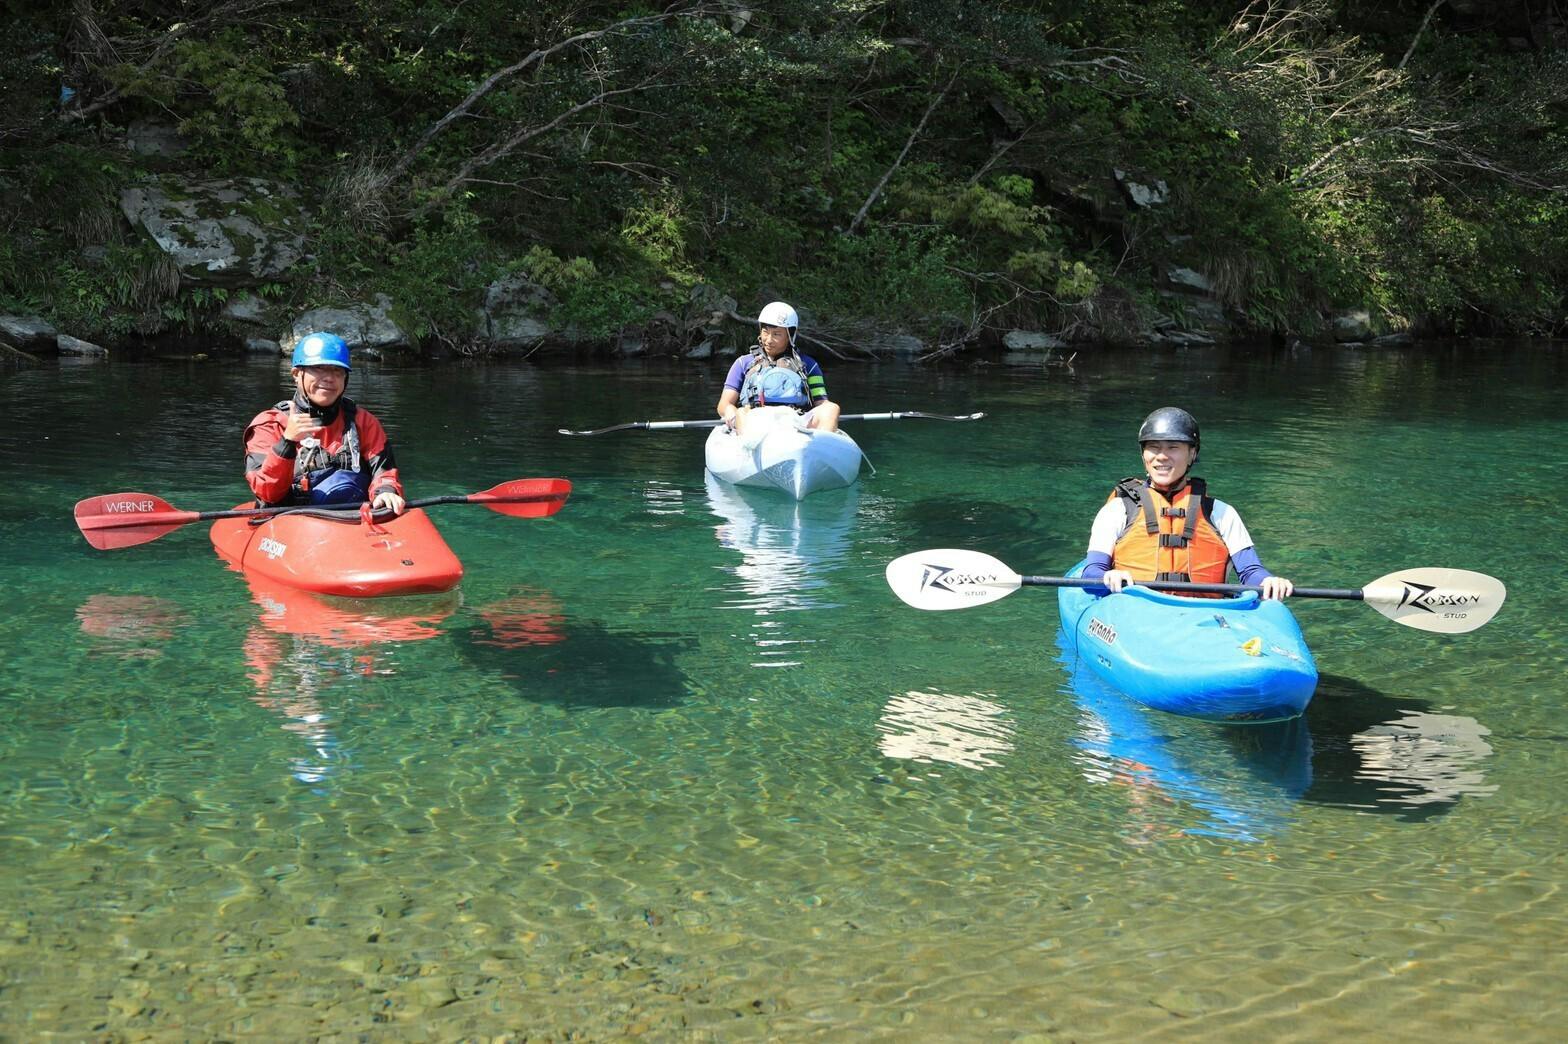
{"points": [[321, 349]]}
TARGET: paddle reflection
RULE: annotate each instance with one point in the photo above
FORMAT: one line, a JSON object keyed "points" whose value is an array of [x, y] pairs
{"points": [[969, 731], [787, 548], [1393, 756], [132, 627]]}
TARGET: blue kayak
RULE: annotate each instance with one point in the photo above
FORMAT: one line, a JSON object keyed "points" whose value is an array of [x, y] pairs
{"points": [[1221, 659]]}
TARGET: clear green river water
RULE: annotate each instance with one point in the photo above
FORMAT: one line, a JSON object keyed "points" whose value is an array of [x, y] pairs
{"points": [[676, 763]]}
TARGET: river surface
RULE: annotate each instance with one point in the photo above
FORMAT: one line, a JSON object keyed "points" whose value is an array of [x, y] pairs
{"points": [[676, 763]]}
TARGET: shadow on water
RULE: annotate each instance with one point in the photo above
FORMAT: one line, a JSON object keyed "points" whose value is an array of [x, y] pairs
{"points": [[1355, 748], [1374, 753], [1006, 529], [531, 643]]}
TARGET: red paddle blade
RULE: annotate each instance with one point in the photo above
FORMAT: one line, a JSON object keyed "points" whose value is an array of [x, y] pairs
{"points": [[117, 520], [525, 498]]}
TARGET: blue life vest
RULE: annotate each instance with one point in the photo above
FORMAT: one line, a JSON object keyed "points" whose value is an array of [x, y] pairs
{"points": [[335, 486], [780, 382]]}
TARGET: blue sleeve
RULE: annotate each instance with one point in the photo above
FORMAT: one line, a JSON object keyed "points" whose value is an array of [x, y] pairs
{"points": [[737, 374], [1098, 563], [1249, 568], [816, 383]]}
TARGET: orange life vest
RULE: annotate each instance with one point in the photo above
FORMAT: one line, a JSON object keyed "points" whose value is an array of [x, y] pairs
{"points": [[1169, 538]]}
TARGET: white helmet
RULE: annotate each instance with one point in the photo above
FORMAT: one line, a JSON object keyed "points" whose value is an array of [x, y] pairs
{"points": [[777, 313]]}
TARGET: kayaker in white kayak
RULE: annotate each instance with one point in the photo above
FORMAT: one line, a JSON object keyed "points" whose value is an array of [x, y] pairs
{"points": [[1166, 527], [320, 447], [774, 374]]}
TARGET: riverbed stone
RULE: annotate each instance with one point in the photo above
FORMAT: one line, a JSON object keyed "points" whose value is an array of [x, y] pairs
{"points": [[229, 231]]}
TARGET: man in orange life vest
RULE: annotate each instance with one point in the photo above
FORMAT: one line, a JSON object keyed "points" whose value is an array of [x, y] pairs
{"points": [[1166, 527], [320, 447]]}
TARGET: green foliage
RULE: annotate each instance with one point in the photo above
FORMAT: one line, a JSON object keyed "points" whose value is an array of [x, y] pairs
{"points": [[241, 106], [1307, 173], [655, 230], [436, 277], [899, 274], [593, 304]]}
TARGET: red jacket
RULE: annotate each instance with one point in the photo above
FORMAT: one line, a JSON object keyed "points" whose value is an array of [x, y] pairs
{"points": [[274, 467]]}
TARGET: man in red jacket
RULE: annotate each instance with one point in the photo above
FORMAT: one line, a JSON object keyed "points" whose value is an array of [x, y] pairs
{"points": [[320, 447]]}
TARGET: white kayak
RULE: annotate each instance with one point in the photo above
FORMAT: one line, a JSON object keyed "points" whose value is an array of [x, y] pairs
{"points": [[777, 453]]}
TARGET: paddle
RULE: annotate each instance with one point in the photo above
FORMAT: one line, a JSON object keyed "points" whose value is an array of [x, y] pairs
{"points": [[117, 520], [715, 422], [1448, 601]]}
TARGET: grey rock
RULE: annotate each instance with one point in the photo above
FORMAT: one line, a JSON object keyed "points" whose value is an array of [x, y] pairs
{"points": [[707, 306], [69, 345], [898, 345], [163, 140], [1031, 341], [1353, 325], [233, 232], [516, 313], [249, 309], [28, 333], [368, 327], [1188, 280], [1141, 192]]}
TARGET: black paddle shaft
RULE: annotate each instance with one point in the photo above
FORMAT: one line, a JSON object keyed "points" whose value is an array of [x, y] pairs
{"points": [[1347, 594]]}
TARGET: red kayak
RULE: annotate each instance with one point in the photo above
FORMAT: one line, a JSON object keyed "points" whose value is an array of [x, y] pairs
{"points": [[338, 554]]}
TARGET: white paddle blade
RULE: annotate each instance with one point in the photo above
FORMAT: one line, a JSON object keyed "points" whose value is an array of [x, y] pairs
{"points": [[948, 578], [1448, 601]]}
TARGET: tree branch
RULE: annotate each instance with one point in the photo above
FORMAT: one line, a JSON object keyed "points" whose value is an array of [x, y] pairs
{"points": [[1419, 30], [534, 58], [865, 207]]}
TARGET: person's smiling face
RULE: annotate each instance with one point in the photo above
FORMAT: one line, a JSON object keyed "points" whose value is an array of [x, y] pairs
{"points": [[320, 385], [1166, 462], [774, 339]]}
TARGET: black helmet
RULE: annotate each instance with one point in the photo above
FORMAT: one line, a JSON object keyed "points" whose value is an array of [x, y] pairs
{"points": [[1169, 424]]}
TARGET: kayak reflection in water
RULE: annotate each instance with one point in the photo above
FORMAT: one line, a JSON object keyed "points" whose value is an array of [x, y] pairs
{"points": [[1182, 777], [320, 447], [307, 654], [1165, 526]]}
